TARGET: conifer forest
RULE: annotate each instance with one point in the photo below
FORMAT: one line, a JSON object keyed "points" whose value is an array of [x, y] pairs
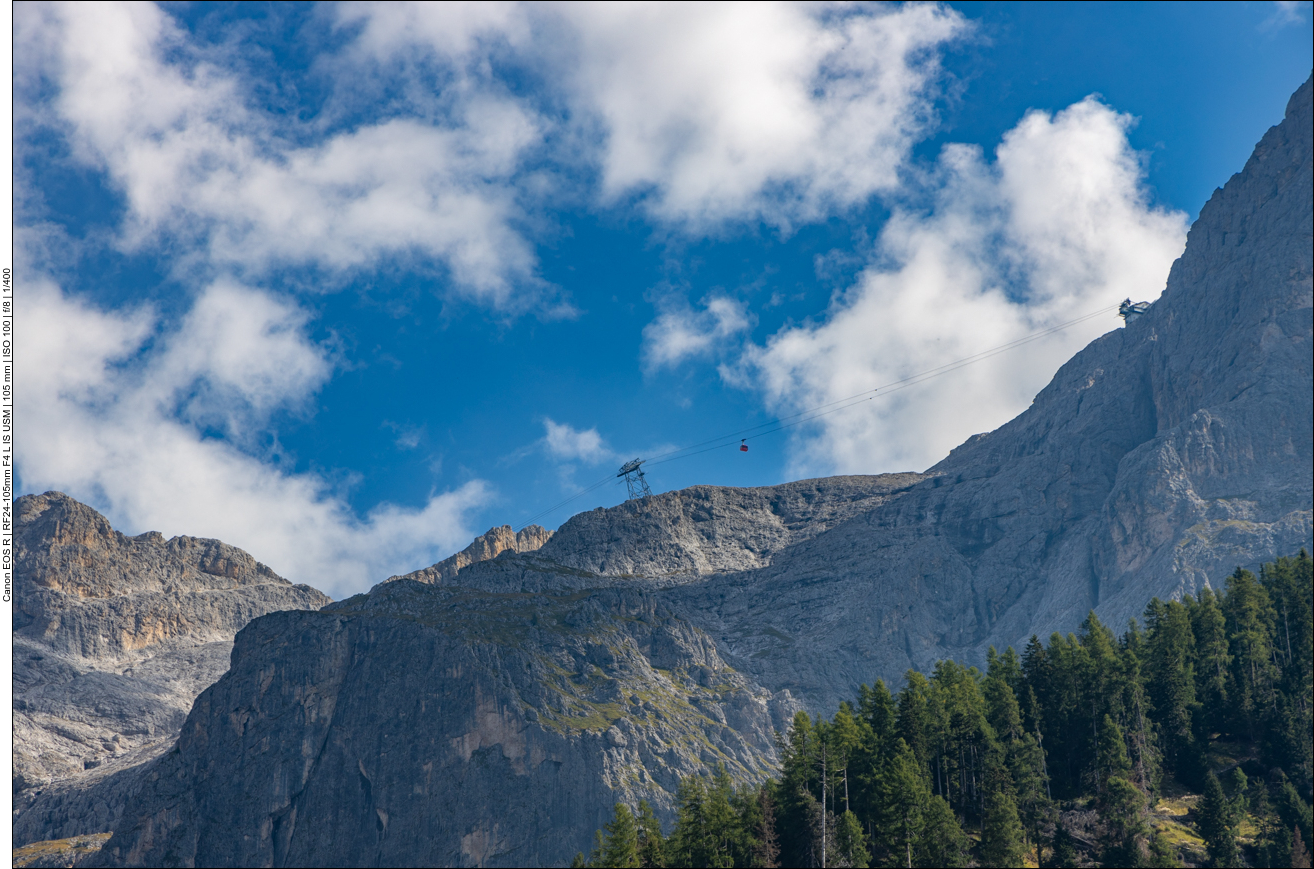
{"points": [[1186, 740]]}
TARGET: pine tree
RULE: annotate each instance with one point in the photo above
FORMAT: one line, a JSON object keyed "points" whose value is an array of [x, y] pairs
{"points": [[1249, 617], [1111, 754], [903, 797], [850, 843], [1122, 810], [1171, 677], [1035, 809], [1001, 831], [767, 853], [621, 843], [1063, 849], [941, 841], [690, 843], [1218, 824], [914, 722], [1299, 856], [877, 708], [720, 820], [797, 777], [652, 846], [1212, 663]]}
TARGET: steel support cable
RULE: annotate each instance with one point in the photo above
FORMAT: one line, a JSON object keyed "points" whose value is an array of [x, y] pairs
{"points": [[850, 401], [821, 410]]}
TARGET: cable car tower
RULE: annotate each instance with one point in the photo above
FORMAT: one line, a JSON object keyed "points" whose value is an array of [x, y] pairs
{"points": [[634, 481]]}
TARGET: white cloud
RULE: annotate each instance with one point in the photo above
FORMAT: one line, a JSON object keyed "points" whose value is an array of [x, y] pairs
{"points": [[568, 444], [681, 333], [1285, 12], [115, 424], [783, 112], [199, 167], [709, 114], [1059, 225], [778, 111]]}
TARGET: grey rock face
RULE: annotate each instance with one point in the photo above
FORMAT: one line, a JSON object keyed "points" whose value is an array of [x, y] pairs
{"points": [[486, 546], [709, 529], [444, 726], [113, 639], [1159, 458], [496, 722]]}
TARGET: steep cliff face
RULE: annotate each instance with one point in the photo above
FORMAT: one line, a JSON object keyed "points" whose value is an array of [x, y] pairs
{"points": [[1160, 458], [493, 718], [113, 638], [442, 727]]}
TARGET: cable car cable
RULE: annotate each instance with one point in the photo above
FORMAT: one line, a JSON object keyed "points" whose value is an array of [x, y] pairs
{"points": [[826, 409]]}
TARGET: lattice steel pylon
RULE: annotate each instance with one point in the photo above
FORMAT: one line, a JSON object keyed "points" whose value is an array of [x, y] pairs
{"points": [[634, 481]]}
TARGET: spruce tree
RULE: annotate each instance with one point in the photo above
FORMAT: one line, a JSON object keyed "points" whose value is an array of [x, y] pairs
{"points": [[1035, 809], [652, 845], [850, 843], [767, 852], [1003, 838], [1299, 855], [690, 843], [1062, 848], [1001, 832], [941, 841], [1122, 811], [903, 797], [1213, 664], [1171, 678], [1217, 824], [621, 843], [1111, 754]]}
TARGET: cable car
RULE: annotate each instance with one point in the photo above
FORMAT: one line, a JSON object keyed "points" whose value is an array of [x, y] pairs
{"points": [[743, 445]]}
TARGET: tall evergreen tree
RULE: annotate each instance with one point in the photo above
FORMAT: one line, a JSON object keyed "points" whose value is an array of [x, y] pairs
{"points": [[1002, 838], [941, 841], [850, 843], [1112, 754], [1218, 824], [1213, 663], [903, 798], [914, 723], [767, 853], [652, 845], [621, 843], [1249, 619], [1171, 678]]}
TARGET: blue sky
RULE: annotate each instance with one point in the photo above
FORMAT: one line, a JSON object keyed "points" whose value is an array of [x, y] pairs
{"points": [[345, 285]]}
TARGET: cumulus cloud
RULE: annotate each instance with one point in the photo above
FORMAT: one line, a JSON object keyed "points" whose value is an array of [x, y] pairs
{"points": [[1059, 224], [200, 167], [782, 112], [117, 422], [568, 444], [774, 111], [681, 333]]}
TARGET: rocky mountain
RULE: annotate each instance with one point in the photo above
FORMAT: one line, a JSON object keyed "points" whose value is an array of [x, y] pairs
{"points": [[490, 544], [113, 638], [493, 716]]}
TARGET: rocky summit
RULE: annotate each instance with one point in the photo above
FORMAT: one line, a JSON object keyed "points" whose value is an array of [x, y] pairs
{"points": [[113, 639], [491, 711]]}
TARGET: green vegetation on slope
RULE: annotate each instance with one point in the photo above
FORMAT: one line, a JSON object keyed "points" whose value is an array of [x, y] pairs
{"points": [[1188, 739]]}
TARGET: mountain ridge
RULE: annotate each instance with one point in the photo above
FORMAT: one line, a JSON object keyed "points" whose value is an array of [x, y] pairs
{"points": [[1157, 459]]}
